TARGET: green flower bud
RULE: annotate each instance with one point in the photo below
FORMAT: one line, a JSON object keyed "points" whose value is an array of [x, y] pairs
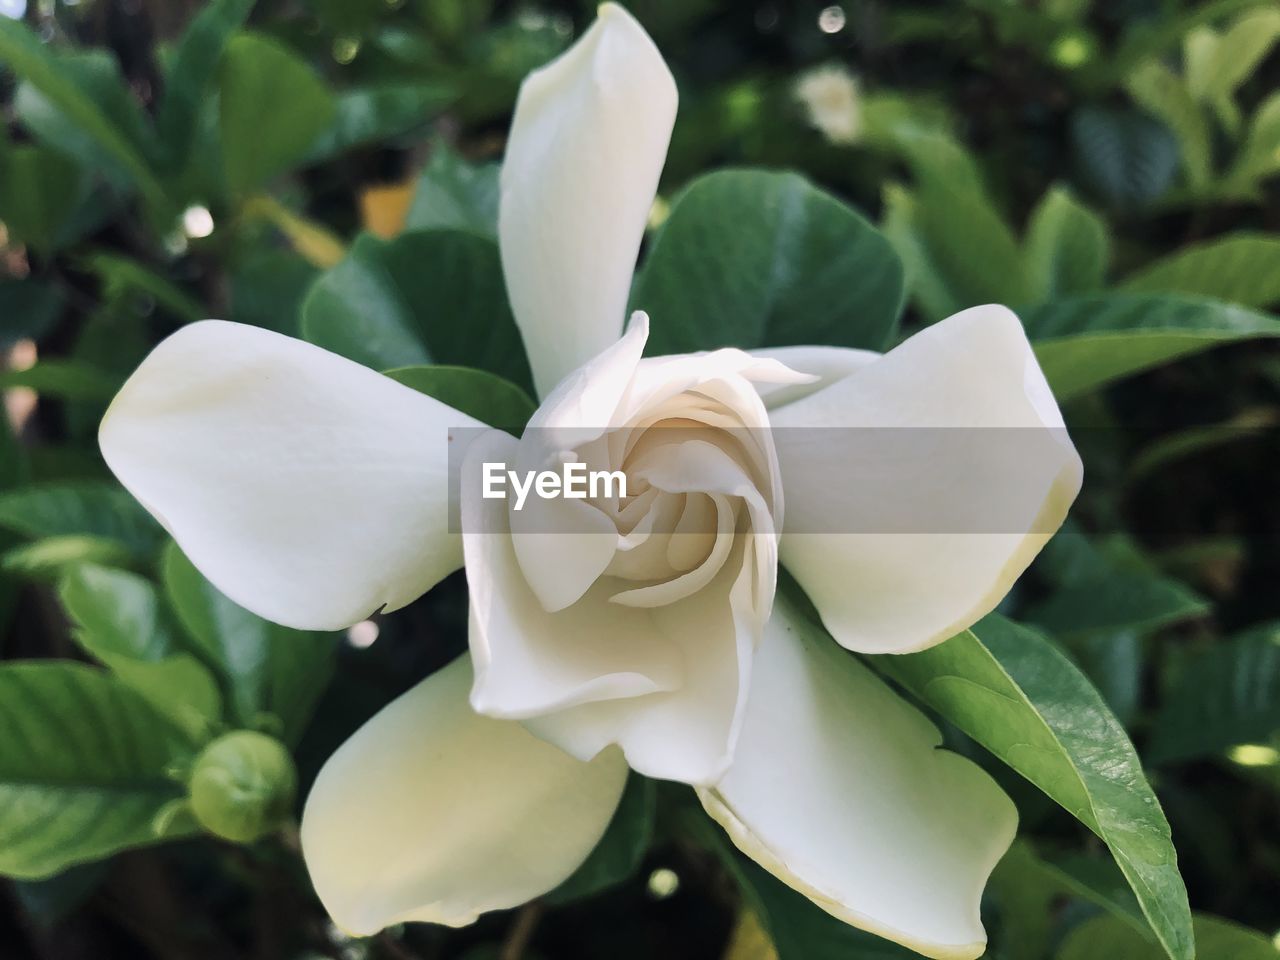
{"points": [[242, 786]]}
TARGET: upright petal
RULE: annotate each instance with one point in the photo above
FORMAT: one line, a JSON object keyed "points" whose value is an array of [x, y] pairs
{"points": [[432, 812], [586, 149], [309, 489], [838, 788], [921, 485]]}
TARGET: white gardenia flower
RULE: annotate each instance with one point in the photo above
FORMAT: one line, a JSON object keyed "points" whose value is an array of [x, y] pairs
{"points": [[832, 102], [608, 632]]}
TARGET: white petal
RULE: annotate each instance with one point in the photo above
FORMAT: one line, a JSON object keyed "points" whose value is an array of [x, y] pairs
{"points": [[529, 660], [432, 812], [688, 734], [826, 365], [943, 507], [587, 145], [839, 790], [309, 489]]}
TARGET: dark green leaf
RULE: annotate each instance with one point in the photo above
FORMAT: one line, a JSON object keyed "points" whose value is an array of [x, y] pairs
{"points": [[28, 309], [1015, 693], [194, 64], [121, 275], [273, 107], [373, 114], [1125, 157], [452, 193], [84, 91], [1085, 342], [39, 188], [95, 509], [268, 669], [1226, 696], [82, 767], [428, 296], [267, 289], [751, 258], [488, 398], [64, 378]]}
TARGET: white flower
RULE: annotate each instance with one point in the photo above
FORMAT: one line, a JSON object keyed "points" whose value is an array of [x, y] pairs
{"points": [[644, 631], [831, 99]]}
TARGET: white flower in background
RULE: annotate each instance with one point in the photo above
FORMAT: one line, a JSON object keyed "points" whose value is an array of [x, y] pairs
{"points": [[605, 633], [832, 101]]}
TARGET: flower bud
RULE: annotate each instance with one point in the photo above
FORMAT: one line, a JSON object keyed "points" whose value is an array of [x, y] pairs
{"points": [[242, 786]]}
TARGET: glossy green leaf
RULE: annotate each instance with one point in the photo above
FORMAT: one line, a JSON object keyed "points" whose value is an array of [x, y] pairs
{"points": [[1015, 693], [1068, 248], [1126, 158], [267, 668], [452, 193], [78, 89], [1241, 267], [1086, 342], [1116, 600], [39, 187], [1216, 940], [620, 851], [371, 114], [119, 621], [750, 258], [1225, 696], [82, 767], [191, 74], [488, 398], [427, 296], [101, 510], [272, 108]]}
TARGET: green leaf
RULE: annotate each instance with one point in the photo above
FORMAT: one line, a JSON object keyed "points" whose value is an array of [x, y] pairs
{"points": [[1163, 94], [28, 309], [121, 275], [82, 767], [1127, 158], [72, 88], [96, 509], [39, 188], [452, 193], [1108, 937], [373, 114], [1260, 154], [190, 74], [1226, 696], [1015, 693], [1083, 343], [1068, 249], [1218, 68], [619, 853], [428, 296], [930, 291], [272, 106], [268, 669], [49, 556], [1241, 267], [750, 258], [64, 378], [488, 398], [119, 622]]}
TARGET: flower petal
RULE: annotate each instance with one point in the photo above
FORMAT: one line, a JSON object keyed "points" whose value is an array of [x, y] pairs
{"points": [[825, 365], [309, 489], [587, 145], [839, 790], [432, 812], [963, 473]]}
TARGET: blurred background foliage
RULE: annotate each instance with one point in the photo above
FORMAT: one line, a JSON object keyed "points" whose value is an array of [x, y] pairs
{"points": [[327, 168]]}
